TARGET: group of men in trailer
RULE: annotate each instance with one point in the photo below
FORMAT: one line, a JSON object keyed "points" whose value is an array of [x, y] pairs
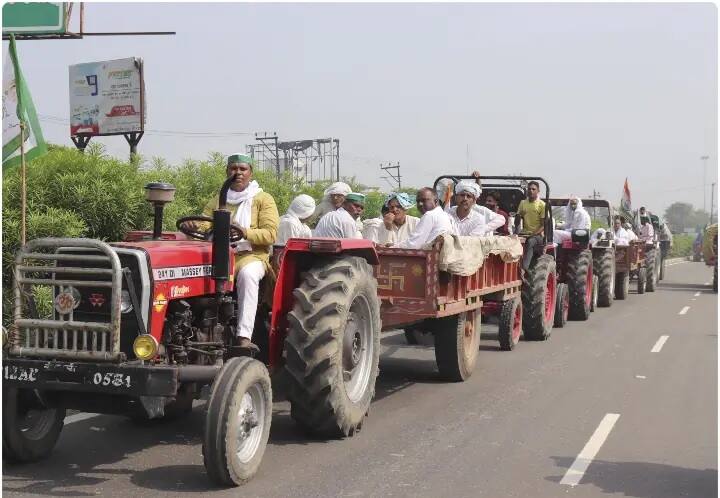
{"points": [[338, 215]]}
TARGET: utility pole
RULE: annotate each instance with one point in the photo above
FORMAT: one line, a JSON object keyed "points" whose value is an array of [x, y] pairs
{"points": [[389, 168], [270, 144], [704, 160], [712, 202]]}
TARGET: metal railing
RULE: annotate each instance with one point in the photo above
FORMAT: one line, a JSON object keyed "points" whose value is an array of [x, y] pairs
{"points": [[65, 338]]}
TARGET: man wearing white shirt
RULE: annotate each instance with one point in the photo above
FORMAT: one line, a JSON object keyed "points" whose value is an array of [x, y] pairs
{"points": [[470, 219], [342, 223], [622, 237], [434, 221], [576, 218], [396, 224], [647, 232], [293, 223]]}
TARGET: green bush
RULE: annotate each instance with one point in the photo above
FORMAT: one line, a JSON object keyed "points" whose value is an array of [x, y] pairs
{"points": [[682, 246]]}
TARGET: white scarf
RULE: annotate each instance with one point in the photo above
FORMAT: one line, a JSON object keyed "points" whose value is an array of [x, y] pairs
{"points": [[243, 200]]}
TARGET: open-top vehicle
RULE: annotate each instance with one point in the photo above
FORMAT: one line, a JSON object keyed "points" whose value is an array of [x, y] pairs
{"points": [[543, 301]]}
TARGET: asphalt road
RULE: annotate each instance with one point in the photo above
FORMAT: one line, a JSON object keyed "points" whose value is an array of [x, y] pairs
{"points": [[644, 423]]}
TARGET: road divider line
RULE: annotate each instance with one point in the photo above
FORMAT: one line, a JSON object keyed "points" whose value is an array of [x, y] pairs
{"points": [[659, 344], [585, 457], [79, 417], [684, 310], [697, 294]]}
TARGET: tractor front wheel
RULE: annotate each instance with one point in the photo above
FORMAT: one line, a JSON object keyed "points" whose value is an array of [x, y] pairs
{"points": [[510, 326], [580, 282], [562, 306], [237, 423], [622, 285], [30, 429], [333, 347], [604, 268]]}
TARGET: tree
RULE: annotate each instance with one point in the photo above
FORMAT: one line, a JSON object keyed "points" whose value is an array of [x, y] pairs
{"points": [[678, 215]]}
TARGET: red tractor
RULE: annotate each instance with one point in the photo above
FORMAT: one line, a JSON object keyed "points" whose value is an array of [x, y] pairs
{"points": [[140, 326], [542, 303]]}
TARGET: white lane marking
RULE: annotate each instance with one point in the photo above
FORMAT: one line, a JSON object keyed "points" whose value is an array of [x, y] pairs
{"points": [[640, 377], [79, 417], [697, 294], [659, 344], [684, 310], [706, 283], [585, 457]]}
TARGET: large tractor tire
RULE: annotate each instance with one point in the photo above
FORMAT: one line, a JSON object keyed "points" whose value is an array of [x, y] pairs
{"points": [[641, 280], [30, 429], [237, 422], [457, 342], [651, 270], [562, 306], [538, 299], [604, 268], [580, 280], [510, 324], [622, 285], [333, 347]]}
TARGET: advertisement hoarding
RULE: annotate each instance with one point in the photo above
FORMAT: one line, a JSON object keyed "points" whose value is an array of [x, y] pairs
{"points": [[107, 98]]}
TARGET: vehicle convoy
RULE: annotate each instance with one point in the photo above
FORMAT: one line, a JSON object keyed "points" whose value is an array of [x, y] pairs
{"points": [[139, 327], [630, 261], [543, 301], [710, 252]]}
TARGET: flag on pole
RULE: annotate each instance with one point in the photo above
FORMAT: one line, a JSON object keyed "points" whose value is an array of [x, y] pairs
{"points": [[18, 111], [626, 204]]}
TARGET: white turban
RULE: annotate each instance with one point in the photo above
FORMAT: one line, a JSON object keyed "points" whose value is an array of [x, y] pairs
{"points": [[470, 187], [337, 188], [302, 206]]}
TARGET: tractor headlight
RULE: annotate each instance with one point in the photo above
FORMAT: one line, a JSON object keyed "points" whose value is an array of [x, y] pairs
{"points": [[145, 347], [125, 302]]}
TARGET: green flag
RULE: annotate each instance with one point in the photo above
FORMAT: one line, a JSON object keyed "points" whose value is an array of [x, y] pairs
{"points": [[18, 111]]}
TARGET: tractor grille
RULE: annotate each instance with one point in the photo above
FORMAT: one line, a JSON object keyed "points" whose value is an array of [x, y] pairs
{"points": [[85, 279]]}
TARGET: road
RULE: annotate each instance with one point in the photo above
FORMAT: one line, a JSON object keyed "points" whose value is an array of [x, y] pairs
{"points": [[641, 411]]}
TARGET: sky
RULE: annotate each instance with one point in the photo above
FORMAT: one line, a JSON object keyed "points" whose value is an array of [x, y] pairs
{"points": [[583, 95]]}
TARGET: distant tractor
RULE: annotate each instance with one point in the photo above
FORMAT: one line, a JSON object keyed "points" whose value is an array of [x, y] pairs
{"points": [[710, 252]]}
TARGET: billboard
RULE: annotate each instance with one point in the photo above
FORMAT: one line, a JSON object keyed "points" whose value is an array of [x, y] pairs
{"points": [[34, 18], [107, 98]]}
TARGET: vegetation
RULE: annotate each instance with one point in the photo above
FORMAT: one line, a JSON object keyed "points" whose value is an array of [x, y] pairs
{"points": [[682, 246]]}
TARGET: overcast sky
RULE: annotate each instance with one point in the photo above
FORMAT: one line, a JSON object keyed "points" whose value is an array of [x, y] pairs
{"points": [[582, 95]]}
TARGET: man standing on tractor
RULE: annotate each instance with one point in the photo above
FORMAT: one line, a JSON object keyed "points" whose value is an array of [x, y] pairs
{"points": [[255, 212], [492, 202], [532, 213], [468, 218], [576, 218], [434, 221], [293, 223], [647, 233], [342, 223]]}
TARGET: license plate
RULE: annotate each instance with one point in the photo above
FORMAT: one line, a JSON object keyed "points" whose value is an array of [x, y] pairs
{"points": [[114, 379], [20, 373]]}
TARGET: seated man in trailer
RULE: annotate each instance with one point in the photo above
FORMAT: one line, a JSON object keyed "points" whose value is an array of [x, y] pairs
{"points": [[342, 223], [620, 234], [647, 232], [468, 218], [395, 224], [576, 218], [492, 202], [434, 221], [293, 224]]}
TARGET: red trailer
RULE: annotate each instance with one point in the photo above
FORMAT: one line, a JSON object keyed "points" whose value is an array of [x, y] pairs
{"points": [[629, 260]]}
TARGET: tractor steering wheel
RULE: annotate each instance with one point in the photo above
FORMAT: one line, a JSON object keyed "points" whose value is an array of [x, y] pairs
{"points": [[236, 232]]}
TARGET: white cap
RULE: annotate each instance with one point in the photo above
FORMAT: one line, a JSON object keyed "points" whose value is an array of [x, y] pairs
{"points": [[302, 206]]}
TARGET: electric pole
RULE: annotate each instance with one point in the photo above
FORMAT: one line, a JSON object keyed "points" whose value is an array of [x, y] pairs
{"points": [[704, 160], [394, 171]]}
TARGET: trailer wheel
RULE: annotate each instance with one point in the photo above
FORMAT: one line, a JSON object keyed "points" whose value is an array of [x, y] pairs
{"points": [[604, 268], [641, 280], [562, 305], [622, 285], [237, 423], [538, 299], [510, 325], [661, 274], [333, 347], [30, 429], [594, 300], [650, 270], [457, 343], [579, 280]]}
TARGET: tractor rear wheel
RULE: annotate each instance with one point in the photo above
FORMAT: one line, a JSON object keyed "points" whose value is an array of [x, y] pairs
{"points": [[622, 285], [594, 300], [661, 274], [579, 280], [510, 326], [651, 271], [457, 342], [562, 305], [604, 268], [333, 347], [237, 423], [29, 428], [538, 299], [641, 280]]}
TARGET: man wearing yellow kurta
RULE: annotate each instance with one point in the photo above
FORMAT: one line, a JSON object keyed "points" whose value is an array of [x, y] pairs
{"points": [[255, 212]]}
